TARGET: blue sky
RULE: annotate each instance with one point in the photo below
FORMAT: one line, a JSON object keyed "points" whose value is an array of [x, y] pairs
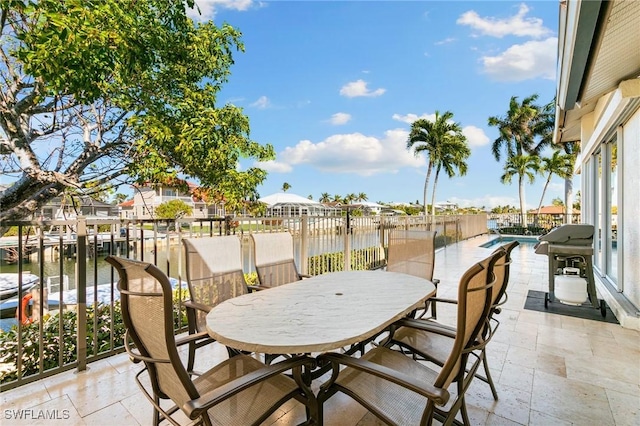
{"points": [[334, 86]]}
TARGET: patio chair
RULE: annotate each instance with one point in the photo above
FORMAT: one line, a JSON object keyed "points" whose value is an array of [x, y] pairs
{"points": [[432, 341], [273, 254], [402, 391], [214, 274], [239, 391], [413, 252]]}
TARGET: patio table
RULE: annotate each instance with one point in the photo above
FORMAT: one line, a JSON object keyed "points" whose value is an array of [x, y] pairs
{"points": [[322, 313]]}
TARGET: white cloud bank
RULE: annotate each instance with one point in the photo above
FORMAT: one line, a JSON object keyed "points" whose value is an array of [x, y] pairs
{"points": [[532, 59], [518, 25], [351, 153], [359, 88], [340, 118]]}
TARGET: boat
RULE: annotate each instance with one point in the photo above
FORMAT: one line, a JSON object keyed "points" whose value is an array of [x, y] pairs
{"points": [[9, 284]]}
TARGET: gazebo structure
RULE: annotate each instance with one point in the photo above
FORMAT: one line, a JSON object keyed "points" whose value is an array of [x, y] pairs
{"points": [[286, 204]]}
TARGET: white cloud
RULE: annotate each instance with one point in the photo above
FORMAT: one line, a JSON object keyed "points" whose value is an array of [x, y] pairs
{"points": [[208, 8], [273, 166], [475, 136], [529, 60], [517, 25], [340, 118], [262, 103], [445, 41], [355, 153], [410, 118], [359, 88]]}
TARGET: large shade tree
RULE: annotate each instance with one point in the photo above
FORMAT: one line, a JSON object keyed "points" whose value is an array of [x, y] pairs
{"points": [[426, 137], [94, 93]]}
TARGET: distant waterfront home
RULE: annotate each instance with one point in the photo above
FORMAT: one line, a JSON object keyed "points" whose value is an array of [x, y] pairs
{"points": [[65, 208], [598, 105], [147, 199]]}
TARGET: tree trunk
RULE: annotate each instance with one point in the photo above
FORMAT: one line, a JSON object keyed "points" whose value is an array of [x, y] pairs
{"points": [[568, 198], [426, 185], [523, 211], [433, 199]]}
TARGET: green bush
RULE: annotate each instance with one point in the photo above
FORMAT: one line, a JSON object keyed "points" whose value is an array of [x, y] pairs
{"points": [[334, 262]]}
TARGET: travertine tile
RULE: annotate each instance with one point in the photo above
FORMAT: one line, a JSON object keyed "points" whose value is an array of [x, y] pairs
{"points": [[570, 400], [625, 407]]}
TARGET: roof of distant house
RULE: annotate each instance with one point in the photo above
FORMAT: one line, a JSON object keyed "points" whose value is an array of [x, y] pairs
{"points": [[128, 203]]}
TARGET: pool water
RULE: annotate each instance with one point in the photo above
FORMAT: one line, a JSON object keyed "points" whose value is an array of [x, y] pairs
{"points": [[524, 241]]}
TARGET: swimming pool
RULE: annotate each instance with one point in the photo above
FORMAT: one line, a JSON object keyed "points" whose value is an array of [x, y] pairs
{"points": [[523, 240]]}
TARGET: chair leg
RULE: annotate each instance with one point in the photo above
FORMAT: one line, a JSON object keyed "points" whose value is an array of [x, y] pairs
{"points": [[487, 373]]}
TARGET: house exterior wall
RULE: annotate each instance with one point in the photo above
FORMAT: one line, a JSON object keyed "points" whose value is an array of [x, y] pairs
{"points": [[595, 188]]}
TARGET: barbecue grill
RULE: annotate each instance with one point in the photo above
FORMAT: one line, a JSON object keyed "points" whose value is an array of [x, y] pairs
{"points": [[570, 251]]}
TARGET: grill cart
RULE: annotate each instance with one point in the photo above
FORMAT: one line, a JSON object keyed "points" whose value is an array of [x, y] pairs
{"points": [[570, 251]]}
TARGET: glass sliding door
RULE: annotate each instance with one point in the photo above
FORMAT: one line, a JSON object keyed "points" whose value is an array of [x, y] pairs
{"points": [[612, 212], [598, 219]]}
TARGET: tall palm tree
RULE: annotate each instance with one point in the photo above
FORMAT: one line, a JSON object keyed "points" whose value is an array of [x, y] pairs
{"points": [[325, 197], [362, 197], [523, 166], [517, 131], [338, 198], [285, 187], [558, 164], [452, 156], [426, 136]]}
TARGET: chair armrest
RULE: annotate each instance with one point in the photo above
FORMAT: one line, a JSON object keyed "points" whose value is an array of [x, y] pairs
{"points": [[437, 395], [193, 337], [197, 306], [253, 288], [427, 325], [438, 299], [196, 407], [435, 281]]}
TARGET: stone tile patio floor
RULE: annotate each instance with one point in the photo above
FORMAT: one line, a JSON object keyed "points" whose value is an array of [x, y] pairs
{"points": [[549, 369]]}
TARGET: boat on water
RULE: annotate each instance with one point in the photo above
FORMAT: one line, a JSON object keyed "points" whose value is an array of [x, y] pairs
{"points": [[9, 284], [69, 297]]}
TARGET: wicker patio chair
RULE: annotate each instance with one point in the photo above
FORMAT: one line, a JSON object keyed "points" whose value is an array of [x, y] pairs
{"points": [[214, 274], [238, 391], [432, 341], [402, 391], [273, 254], [413, 252]]}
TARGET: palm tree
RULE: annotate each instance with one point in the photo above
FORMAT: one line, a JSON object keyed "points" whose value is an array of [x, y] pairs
{"points": [[285, 187], [337, 198], [572, 149], [558, 164], [325, 197], [523, 166], [523, 122], [350, 198], [452, 155], [362, 197], [426, 136]]}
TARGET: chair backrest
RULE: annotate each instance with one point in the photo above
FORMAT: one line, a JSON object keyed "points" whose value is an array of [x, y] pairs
{"points": [[501, 273], [214, 271], [412, 252], [273, 254], [474, 304], [146, 299]]}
